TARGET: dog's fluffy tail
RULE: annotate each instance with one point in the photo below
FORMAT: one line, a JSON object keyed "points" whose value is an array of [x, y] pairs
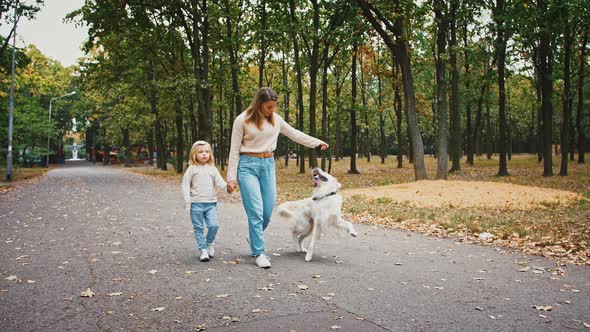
{"points": [[284, 213]]}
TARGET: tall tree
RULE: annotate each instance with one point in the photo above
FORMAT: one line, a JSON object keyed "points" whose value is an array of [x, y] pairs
{"points": [[353, 124], [499, 14], [565, 123], [455, 143], [442, 25], [580, 106], [400, 49]]}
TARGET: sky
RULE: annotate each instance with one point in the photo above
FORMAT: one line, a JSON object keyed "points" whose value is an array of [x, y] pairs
{"points": [[55, 38]]}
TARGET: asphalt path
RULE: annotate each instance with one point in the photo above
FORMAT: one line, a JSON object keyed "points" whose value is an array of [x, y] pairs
{"points": [[126, 237]]}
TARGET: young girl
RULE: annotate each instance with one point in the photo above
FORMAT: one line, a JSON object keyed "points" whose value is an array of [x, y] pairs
{"points": [[198, 189]]}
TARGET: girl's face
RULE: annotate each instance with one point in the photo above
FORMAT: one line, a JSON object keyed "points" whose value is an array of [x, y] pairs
{"points": [[202, 154], [268, 107]]}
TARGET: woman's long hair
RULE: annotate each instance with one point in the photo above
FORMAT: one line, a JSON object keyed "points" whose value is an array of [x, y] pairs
{"points": [[254, 111]]}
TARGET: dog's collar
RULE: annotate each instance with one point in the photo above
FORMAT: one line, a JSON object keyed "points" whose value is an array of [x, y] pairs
{"points": [[317, 198]]}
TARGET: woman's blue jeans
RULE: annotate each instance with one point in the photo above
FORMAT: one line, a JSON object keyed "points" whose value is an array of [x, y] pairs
{"points": [[204, 214], [257, 181]]}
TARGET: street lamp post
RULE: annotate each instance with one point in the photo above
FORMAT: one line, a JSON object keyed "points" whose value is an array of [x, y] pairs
{"points": [[49, 123]]}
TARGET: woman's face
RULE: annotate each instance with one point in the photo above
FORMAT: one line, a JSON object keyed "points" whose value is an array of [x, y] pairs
{"points": [[268, 107]]}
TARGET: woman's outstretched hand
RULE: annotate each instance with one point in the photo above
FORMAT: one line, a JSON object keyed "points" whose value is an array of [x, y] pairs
{"points": [[324, 146]]}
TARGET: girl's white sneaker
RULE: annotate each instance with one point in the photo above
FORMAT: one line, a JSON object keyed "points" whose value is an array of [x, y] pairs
{"points": [[204, 256]]}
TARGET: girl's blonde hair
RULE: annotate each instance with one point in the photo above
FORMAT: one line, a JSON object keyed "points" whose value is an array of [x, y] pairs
{"points": [[192, 158], [254, 111]]}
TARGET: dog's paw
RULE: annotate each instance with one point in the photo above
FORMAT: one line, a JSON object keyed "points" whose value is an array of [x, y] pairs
{"points": [[303, 250], [353, 233], [307, 257]]}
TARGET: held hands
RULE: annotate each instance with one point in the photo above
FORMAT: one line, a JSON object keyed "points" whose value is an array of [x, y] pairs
{"points": [[323, 146], [231, 186]]}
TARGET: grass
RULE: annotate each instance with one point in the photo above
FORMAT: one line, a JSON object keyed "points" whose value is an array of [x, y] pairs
{"points": [[557, 231], [20, 174]]}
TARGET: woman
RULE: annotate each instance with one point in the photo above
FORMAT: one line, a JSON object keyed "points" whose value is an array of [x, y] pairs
{"points": [[251, 162]]}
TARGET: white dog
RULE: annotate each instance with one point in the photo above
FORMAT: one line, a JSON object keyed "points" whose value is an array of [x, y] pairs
{"points": [[316, 214]]}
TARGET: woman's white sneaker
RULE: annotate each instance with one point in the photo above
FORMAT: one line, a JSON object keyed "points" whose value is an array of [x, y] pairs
{"points": [[204, 256], [263, 261], [211, 249]]}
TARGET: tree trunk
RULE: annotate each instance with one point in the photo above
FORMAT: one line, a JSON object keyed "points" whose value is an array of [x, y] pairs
{"points": [[565, 124], [339, 140], [234, 66], [397, 106], [127, 145], [489, 146], [179, 136], [546, 73], [286, 104], [468, 121], [580, 108], [400, 49], [501, 56], [455, 112], [325, 131], [292, 23], [313, 79], [153, 100], [262, 14], [353, 128], [441, 86], [150, 140], [382, 138]]}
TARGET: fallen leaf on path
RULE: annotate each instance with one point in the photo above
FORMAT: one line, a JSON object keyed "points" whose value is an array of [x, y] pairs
{"points": [[31, 281], [115, 294], [256, 310], [87, 293], [159, 309], [335, 327], [200, 328], [222, 296], [317, 276], [479, 308], [543, 308], [11, 278], [191, 272], [303, 287], [153, 271], [21, 257]]}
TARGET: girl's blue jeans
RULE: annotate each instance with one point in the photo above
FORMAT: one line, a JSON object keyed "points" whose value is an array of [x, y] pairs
{"points": [[257, 181], [204, 214]]}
